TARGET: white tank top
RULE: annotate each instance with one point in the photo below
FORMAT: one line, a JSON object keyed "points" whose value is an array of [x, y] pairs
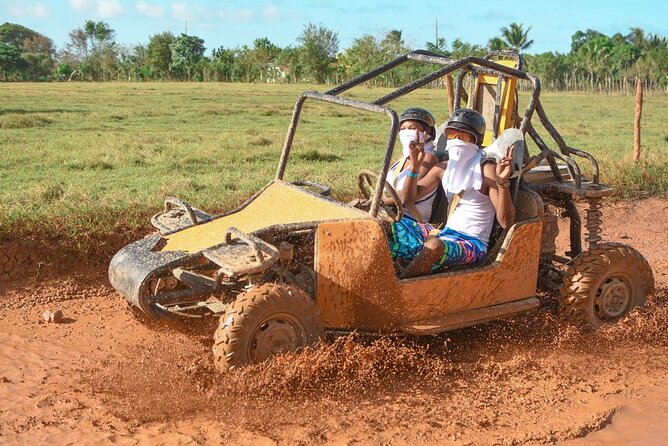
{"points": [[397, 179], [474, 215]]}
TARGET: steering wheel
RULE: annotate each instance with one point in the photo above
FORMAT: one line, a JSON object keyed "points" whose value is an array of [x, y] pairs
{"points": [[366, 180], [320, 188]]}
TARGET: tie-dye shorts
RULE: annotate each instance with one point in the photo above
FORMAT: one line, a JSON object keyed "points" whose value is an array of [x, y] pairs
{"points": [[408, 236]]}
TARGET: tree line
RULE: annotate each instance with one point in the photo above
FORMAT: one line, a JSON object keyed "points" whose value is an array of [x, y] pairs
{"points": [[595, 61]]}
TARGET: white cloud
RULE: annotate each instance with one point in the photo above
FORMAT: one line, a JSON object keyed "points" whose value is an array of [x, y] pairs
{"points": [[154, 12], [493, 16], [180, 11], [103, 8], [80, 5], [271, 12], [38, 10], [109, 8], [268, 13], [236, 16]]}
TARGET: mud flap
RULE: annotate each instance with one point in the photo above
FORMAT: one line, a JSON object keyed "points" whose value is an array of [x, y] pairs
{"points": [[133, 265]]}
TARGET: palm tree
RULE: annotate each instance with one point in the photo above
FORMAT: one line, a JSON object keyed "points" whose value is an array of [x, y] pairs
{"points": [[593, 55], [496, 44], [636, 37], [393, 44], [515, 37], [654, 41]]}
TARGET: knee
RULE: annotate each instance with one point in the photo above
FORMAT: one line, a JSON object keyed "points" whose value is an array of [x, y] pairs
{"points": [[435, 246]]}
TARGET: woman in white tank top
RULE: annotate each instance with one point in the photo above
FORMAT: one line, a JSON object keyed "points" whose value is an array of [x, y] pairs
{"points": [[416, 128], [476, 193]]}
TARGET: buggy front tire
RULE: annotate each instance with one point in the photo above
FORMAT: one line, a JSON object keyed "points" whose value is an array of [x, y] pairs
{"points": [[604, 284], [265, 321]]}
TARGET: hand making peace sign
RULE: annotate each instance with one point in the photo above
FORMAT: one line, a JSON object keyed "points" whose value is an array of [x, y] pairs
{"points": [[504, 168], [417, 149]]}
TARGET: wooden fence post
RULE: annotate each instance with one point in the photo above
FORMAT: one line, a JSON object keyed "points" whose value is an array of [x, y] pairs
{"points": [[636, 126], [451, 92]]}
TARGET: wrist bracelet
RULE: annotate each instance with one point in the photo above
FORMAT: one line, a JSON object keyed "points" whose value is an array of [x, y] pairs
{"points": [[411, 174], [506, 184]]}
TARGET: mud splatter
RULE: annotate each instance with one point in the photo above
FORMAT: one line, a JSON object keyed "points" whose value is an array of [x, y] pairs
{"points": [[108, 378], [502, 375]]}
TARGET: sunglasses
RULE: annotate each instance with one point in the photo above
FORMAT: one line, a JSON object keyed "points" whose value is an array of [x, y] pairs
{"points": [[451, 133]]}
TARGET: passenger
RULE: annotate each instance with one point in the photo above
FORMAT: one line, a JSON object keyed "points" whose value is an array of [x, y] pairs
{"points": [[476, 193], [416, 128]]}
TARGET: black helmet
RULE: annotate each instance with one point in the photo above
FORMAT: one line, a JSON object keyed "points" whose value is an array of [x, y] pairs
{"points": [[469, 121], [422, 115]]}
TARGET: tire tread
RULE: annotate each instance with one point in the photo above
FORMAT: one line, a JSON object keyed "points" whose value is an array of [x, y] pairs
{"points": [[249, 309], [581, 281]]}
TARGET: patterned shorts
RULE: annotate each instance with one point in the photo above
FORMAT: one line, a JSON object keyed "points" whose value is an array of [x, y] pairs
{"points": [[408, 236]]}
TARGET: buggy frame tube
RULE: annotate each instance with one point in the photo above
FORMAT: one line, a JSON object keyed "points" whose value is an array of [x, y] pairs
{"points": [[417, 55], [365, 106], [467, 66], [459, 84], [565, 149], [470, 96], [473, 66], [497, 104], [572, 167], [507, 54], [370, 75]]}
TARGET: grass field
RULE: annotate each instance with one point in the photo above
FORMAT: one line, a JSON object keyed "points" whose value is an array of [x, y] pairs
{"points": [[82, 162]]}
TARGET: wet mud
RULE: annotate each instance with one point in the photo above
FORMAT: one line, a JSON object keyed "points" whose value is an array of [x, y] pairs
{"points": [[103, 376]]}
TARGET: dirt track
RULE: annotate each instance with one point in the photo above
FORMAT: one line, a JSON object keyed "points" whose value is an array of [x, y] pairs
{"points": [[103, 377]]}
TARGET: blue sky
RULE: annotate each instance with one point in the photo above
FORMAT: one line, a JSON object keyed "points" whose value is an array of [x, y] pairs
{"points": [[233, 23]]}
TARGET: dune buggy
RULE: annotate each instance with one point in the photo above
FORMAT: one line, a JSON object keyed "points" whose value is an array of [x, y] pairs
{"points": [[291, 262]]}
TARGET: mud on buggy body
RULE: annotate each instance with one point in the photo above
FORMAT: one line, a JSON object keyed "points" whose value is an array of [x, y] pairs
{"points": [[291, 261]]}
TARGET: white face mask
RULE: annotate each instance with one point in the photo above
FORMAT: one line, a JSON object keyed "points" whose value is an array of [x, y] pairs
{"points": [[460, 150], [463, 170], [406, 136]]}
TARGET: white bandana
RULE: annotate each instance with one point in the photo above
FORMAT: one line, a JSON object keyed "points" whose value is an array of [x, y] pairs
{"points": [[463, 171], [407, 136]]}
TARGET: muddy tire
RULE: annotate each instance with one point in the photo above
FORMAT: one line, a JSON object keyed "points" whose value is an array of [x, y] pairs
{"points": [[264, 321], [604, 284]]}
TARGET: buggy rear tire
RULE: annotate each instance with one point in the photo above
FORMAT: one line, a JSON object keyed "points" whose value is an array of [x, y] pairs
{"points": [[265, 321], [604, 284]]}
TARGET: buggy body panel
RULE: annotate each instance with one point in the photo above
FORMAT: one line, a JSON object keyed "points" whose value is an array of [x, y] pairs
{"points": [[279, 203], [357, 286]]}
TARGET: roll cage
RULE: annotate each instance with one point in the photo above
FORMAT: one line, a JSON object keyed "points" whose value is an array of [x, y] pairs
{"points": [[469, 66]]}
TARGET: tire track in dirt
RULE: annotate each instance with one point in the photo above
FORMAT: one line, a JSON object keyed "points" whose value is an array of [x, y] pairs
{"points": [[104, 377]]}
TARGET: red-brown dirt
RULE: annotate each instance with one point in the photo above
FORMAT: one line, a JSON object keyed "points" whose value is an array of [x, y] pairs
{"points": [[104, 377]]}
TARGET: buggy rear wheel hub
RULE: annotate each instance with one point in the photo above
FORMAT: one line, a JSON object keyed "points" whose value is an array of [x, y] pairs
{"points": [[278, 334], [612, 299]]}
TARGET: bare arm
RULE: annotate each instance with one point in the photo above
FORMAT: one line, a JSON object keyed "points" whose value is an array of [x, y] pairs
{"points": [[497, 179], [430, 161], [416, 188], [425, 166]]}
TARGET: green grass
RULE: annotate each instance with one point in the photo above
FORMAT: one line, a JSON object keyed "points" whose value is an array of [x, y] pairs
{"points": [[82, 163]]}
